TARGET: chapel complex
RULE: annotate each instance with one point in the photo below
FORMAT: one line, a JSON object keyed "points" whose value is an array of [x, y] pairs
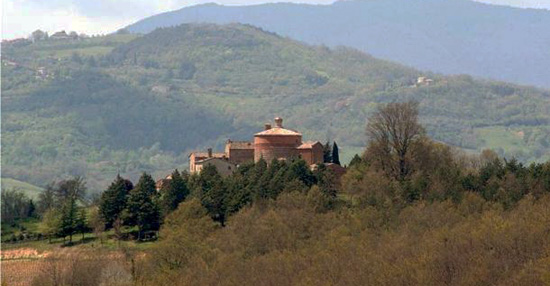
{"points": [[272, 143]]}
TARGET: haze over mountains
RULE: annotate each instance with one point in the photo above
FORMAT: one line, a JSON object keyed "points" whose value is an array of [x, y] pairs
{"points": [[452, 36]]}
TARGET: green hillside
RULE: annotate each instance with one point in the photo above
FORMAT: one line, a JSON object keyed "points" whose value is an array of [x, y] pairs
{"points": [[31, 191], [498, 42], [128, 104]]}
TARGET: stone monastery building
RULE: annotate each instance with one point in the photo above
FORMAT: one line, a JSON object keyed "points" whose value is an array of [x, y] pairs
{"points": [[272, 143]]}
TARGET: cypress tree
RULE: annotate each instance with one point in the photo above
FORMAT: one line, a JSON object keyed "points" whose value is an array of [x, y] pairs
{"points": [[335, 154], [327, 153]]}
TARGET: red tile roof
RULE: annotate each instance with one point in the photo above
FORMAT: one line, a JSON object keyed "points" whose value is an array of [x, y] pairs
{"points": [[241, 145], [278, 131], [205, 155], [309, 144]]}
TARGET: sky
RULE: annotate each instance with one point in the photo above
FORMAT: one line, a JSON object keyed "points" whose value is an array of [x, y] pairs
{"points": [[21, 17]]}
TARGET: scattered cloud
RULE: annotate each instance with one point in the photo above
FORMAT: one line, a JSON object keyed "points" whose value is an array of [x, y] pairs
{"points": [[539, 4], [21, 17]]}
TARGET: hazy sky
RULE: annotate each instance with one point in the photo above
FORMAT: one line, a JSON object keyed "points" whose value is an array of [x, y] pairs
{"points": [[21, 17]]}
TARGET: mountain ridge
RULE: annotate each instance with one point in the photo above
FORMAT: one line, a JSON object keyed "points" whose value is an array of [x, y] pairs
{"points": [[452, 37]]}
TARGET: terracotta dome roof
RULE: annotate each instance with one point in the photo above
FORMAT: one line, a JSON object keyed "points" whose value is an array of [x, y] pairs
{"points": [[278, 131]]}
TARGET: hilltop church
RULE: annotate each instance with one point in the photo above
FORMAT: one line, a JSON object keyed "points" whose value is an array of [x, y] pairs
{"points": [[274, 142]]}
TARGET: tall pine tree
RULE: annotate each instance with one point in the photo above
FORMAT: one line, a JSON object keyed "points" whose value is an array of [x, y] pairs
{"points": [[142, 207], [113, 200], [173, 192], [335, 154], [299, 170], [280, 179], [69, 219], [68, 193], [212, 193], [81, 224]]}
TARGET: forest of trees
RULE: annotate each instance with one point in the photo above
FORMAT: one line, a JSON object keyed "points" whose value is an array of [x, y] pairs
{"points": [[64, 211], [408, 211]]}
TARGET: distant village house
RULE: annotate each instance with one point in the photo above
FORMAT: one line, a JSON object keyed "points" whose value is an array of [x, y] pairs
{"points": [[424, 81]]}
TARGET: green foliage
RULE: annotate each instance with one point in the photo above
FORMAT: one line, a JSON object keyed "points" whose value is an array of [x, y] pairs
{"points": [[69, 219], [31, 209], [81, 224], [327, 153], [31, 191], [113, 200], [51, 221], [356, 160], [210, 189], [15, 205], [291, 242], [184, 232], [143, 210], [186, 70], [391, 29], [256, 183], [173, 192], [299, 171], [335, 154], [326, 181]]}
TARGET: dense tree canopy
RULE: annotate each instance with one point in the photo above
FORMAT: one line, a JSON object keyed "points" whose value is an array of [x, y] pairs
{"points": [[113, 200], [455, 218], [143, 209]]}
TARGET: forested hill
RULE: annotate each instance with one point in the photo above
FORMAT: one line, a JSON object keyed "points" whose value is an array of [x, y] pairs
{"points": [[127, 103], [450, 36]]}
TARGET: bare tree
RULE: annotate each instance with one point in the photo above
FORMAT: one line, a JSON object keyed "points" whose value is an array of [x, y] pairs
{"points": [[392, 132]]}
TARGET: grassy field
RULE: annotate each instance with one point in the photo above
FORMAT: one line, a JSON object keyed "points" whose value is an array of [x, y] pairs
{"points": [[515, 140], [31, 191], [22, 261], [88, 240], [20, 272], [88, 51]]}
